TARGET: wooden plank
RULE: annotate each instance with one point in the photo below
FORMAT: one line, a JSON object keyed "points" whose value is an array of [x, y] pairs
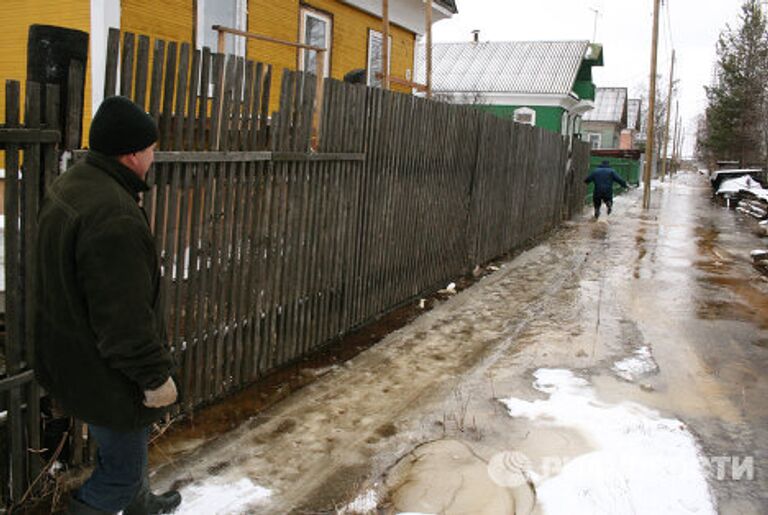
{"points": [[32, 177], [193, 357], [181, 98], [113, 52], [202, 113], [166, 120], [204, 354], [235, 319], [236, 125], [217, 78], [263, 136], [254, 79], [260, 282], [243, 339], [182, 341], [248, 120], [126, 66], [13, 301], [76, 86], [225, 112], [29, 136], [142, 71], [156, 88], [194, 86]]}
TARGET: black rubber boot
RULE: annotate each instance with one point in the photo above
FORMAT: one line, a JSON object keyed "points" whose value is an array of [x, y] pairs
{"points": [[150, 504], [147, 503]]}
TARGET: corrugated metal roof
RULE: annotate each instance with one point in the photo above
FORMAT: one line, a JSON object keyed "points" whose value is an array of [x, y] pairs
{"points": [[633, 113], [610, 106], [505, 67]]}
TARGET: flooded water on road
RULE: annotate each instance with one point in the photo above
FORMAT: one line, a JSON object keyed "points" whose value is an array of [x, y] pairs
{"points": [[618, 367]]}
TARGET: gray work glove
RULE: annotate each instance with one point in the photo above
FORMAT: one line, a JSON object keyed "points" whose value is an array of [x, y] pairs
{"points": [[162, 396]]}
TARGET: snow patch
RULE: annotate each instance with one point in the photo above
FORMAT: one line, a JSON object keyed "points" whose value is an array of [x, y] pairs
{"points": [[221, 498], [364, 503], [643, 463], [741, 183], [636, 366]]}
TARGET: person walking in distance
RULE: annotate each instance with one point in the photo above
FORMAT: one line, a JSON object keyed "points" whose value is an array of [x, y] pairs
{"points": [[101, 351], [603, 178]]}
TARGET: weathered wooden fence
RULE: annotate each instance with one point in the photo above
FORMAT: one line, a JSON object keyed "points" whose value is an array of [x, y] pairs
{"points": [[268, 250]]}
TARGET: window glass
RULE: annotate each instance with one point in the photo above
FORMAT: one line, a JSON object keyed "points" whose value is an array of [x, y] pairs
{"points": [[228, 13], [525, 115], [375, 48], [316, 31]]}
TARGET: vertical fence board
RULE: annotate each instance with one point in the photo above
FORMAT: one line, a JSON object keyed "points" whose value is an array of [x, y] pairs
{"points": [[126, 66]]}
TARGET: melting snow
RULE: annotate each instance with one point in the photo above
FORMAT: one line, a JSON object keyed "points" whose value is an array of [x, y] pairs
{"points": [[740, 183], [221, 498], [634, 367], [364, 503], [643, 463]]}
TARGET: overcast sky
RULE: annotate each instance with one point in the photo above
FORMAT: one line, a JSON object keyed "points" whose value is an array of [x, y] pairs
{"points": [[623, 27]]}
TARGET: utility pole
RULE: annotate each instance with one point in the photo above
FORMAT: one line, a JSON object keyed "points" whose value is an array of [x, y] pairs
{"points": [[651, 110], [594, 30], [675, 139], [669, 113]]}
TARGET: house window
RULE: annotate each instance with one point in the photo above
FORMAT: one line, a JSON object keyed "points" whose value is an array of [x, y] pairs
{"points": [[525, 115], [227, 13], [594, 140], [375, 48], [316, 30]]}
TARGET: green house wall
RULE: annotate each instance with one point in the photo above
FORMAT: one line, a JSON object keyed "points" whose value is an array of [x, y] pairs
{"points": [[550, 118]]}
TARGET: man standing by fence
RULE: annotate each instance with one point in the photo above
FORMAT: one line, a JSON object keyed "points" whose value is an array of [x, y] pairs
{"points": [[101, 350], [603, 178]]}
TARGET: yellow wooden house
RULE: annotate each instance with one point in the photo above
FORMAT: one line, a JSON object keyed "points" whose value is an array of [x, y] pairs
{"points": [[351, 30]]}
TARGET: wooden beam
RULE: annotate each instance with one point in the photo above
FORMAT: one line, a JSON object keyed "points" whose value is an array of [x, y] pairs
{"points": [[403, 82], [428, 28], [317, 116], [29, 136], [385, 43], [268, 39]]}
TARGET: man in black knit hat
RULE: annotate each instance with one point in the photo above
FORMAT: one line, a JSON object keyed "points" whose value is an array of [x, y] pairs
{"points": [[101, 349]]}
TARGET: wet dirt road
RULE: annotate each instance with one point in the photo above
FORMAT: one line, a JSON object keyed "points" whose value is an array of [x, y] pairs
{"points": [[634, 349]]}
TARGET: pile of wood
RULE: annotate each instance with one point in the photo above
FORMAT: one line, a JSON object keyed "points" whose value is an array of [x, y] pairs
{"points": [[760, 260], [752, 203]]}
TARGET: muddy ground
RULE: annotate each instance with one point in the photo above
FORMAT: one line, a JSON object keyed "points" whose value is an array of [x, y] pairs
{"points": [[417, 423]]}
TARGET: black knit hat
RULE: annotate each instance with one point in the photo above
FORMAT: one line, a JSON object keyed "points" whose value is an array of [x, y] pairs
{"points": [[121, 127]]}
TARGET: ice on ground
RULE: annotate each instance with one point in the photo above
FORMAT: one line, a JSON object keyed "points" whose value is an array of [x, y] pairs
{"points": [[643, 463], [219, 498], [636, 366], [758, 253], [364, 503]]}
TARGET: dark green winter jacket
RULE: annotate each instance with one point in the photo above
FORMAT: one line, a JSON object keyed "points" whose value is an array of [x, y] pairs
{"points": [[100, 339]]}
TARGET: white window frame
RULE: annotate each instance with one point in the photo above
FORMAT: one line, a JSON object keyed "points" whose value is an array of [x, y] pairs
{"points": [[306, 12], [594, 137], [525, 111], [370, 79], [234, 44]]}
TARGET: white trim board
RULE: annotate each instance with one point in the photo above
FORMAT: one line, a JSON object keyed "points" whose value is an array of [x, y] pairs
{"points": [[104, 14]]}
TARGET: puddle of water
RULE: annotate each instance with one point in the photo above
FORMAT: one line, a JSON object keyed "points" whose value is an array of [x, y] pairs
{"points": [[449, 477]]}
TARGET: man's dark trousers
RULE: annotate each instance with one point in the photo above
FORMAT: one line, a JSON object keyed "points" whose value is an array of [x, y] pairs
{"points": [[121, 466], [596, 200]]}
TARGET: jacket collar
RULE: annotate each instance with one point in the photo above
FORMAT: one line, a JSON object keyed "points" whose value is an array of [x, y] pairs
{"points": [[124, 176]]}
